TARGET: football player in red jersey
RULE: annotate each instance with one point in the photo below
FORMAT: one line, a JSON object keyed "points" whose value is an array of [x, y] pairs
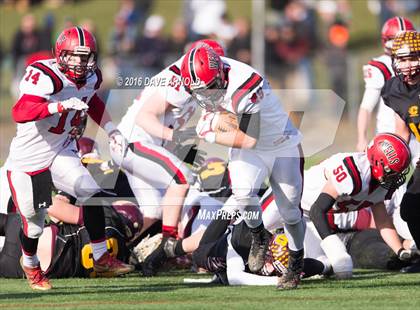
{"points": [[54, 94], [266, 145], [402, 94], [376, 73]]}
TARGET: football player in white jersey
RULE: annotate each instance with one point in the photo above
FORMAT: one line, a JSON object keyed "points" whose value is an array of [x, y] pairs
{"points": [[352, 181], [54, 94], [265, 145], [376, 73], [154, 162]]}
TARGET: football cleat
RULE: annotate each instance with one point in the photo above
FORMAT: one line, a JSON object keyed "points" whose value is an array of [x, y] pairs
{"points": [[291, 278], [36, 278], [109, 266], [259, 246]]}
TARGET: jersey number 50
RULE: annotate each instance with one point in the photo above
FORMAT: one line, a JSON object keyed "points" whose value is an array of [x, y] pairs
{"points": [[340, 173]]}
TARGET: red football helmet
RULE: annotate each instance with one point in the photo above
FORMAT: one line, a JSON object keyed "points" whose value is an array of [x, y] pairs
{"points": [[203, 77], [391, 28], [76, 53], [209, 44], [389, 158], [132, 218]]}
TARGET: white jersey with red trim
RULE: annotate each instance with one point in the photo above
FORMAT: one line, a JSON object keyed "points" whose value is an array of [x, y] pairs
{"points": [[376, 73], [350, 175], [37, 142], [247, 93], [168, 84]]}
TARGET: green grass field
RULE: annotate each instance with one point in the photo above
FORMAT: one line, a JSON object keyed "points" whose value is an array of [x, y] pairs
{"points": [[369, 289]]}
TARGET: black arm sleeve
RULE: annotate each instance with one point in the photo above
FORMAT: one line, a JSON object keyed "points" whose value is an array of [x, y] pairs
{"points": [[250, 124], [318, 214]]}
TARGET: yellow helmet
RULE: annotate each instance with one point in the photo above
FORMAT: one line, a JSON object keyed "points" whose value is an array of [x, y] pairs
{"points": [[406, 47]]}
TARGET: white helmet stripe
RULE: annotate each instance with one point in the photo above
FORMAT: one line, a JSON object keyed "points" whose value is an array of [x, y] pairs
{"points": [[81, 36]]}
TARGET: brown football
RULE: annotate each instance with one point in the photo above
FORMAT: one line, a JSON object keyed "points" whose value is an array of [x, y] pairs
{"points": [[225, 122]]}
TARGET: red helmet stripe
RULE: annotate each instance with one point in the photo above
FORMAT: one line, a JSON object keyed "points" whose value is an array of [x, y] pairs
{"points": [[81, 36]]}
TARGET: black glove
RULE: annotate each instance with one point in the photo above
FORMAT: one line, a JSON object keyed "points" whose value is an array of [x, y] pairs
{"points": [[181, 135], [189, 154]]}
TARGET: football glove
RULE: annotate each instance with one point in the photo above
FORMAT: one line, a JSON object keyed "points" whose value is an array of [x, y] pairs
{"points": [[404, 255], [67, 105], [181, 135], [118, 144], [204, 127]]}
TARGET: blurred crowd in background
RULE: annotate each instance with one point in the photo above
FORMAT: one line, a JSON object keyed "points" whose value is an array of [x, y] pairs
{"points": [[296, 31]]}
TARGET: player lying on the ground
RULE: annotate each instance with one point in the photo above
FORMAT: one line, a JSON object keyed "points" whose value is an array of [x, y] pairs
{"points": [[226, 256], [356, 229], [352, 181], [64, 248]]}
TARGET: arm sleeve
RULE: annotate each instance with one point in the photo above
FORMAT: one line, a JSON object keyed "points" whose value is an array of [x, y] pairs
{"points": [[250, 124], [30, 108], [97, 111], [370, 98], [236, 271], [318, 214]]}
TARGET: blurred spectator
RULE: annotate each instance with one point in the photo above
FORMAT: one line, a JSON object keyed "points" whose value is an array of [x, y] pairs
{"points": [[177, 41], [68, 22], [151, 48], [1, 63], [292, 49], [122, 40], [336, 57], [226, 31], [206, 17], [240, 47], [27, 40]]}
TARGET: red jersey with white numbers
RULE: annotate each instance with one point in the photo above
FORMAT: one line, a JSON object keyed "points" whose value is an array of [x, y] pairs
{"points": [[40, 135]]}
